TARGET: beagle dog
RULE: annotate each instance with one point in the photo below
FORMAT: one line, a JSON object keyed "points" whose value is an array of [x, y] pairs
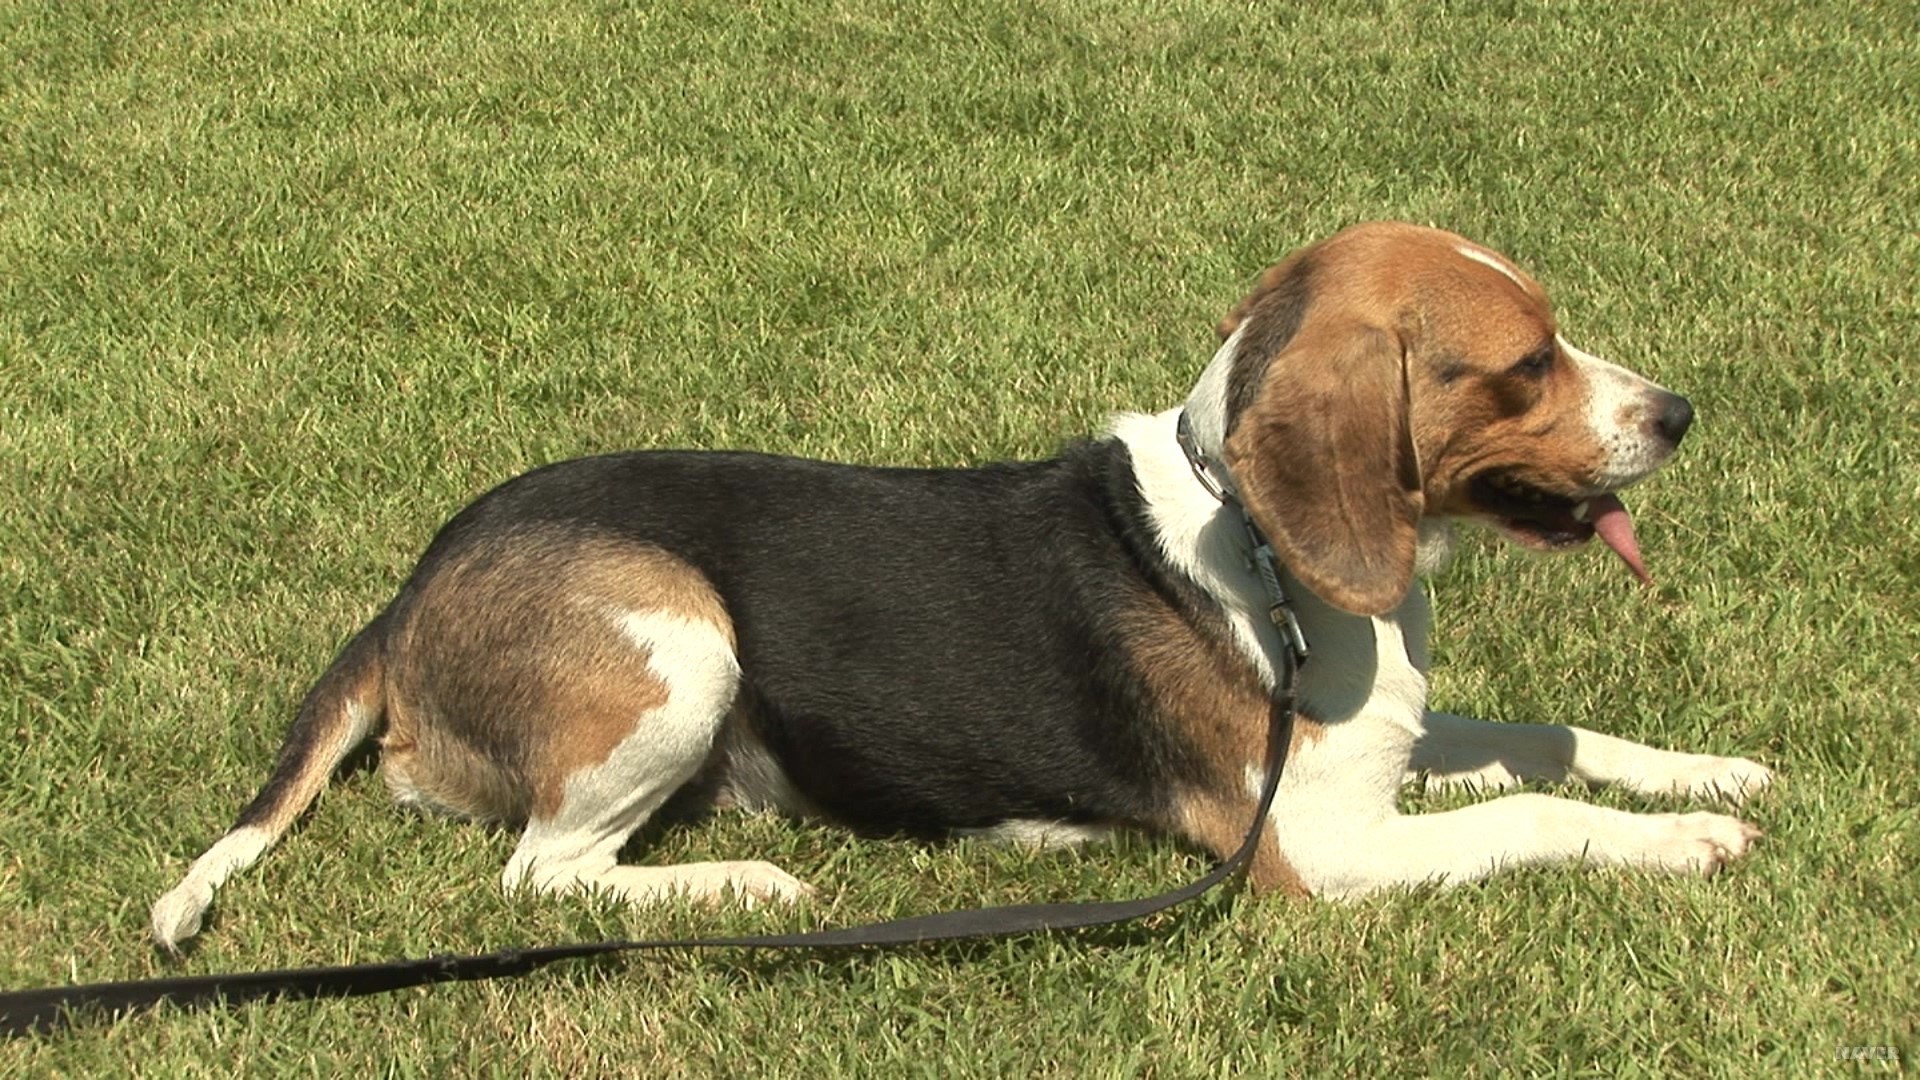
{"points": [[1042, 651]]}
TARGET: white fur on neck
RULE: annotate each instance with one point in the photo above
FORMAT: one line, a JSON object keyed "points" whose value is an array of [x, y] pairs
{"points": [[1198, 534], [1207, 404]]}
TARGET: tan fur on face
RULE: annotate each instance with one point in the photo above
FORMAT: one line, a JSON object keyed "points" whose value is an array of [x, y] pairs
{"points": [[512, 672], [1385, 365]]}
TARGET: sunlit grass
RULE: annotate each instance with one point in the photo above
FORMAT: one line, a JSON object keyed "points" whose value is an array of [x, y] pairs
{"points": [[283, 287]]}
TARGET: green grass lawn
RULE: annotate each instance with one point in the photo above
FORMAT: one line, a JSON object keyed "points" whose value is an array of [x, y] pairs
{"points": [[283, 286]]}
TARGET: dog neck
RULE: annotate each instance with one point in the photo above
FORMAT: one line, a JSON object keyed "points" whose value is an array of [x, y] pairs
{"points": [[1206, 406]]}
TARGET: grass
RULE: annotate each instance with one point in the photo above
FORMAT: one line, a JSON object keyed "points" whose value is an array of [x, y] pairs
{"points": [[282, 287]]}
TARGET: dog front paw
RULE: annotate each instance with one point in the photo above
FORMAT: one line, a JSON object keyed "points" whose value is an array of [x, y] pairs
{"points": [[1694, 843], [750, 883], [1703, 776]]}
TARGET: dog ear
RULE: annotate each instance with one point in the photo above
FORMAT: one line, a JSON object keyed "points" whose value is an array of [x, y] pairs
{"points": [[1324, 460]]}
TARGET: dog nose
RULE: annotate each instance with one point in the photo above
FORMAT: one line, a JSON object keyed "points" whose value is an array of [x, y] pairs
{"points": [[1673, 417]]}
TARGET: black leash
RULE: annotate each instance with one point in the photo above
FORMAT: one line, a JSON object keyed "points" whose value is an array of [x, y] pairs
{"points": [[24, 1012]]}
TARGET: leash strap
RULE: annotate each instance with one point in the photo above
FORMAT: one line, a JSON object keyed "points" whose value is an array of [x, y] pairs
{"points": [[24, 1012]]}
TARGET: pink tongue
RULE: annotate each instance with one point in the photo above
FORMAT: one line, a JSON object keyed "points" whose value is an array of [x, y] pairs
{"points": [[1611, 523]]}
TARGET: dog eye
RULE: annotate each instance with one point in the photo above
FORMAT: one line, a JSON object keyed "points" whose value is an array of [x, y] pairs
{"points": [[1536, 363]]}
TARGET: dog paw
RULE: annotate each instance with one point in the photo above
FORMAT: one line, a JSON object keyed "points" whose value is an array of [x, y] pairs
{"points": [[1703, 776], [751, 883], [1695, 843]]}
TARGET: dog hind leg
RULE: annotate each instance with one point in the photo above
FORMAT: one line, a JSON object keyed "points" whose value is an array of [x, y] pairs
{"points": [[580, 821], [574, 684]]}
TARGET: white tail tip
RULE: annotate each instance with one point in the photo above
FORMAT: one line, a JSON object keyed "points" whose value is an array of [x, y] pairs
{"points": [[177, 915]]}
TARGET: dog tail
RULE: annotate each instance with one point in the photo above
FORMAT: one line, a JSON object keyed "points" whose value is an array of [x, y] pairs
{"points": [[339, 714]]}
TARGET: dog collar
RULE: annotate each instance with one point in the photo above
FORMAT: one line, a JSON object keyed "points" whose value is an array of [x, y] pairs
{"points": [[1220, 485]]}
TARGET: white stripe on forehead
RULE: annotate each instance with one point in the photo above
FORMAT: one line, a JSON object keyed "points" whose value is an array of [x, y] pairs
{"points": [[1488, 258]]}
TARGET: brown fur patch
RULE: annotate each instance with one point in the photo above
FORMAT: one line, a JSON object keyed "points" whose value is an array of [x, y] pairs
{"points": [[430, 766], [511, 672], [1220, 825], [1210, 699]]}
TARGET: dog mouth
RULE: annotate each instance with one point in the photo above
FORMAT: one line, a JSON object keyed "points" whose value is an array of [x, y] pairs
{"points": [[1550, 521]]}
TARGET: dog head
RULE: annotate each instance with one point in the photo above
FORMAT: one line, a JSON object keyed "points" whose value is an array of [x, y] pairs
{"points": [[1392, 374]]}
